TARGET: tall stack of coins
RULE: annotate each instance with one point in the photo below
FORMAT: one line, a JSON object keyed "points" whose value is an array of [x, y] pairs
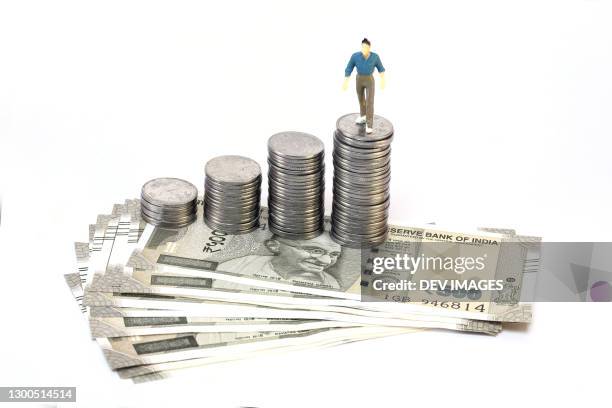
{"points": [[232, 194], [168, 202], [362, 171], [296, 183]]}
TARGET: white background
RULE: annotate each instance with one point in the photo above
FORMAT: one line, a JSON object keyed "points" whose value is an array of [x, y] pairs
{"points": [[502, 117]]}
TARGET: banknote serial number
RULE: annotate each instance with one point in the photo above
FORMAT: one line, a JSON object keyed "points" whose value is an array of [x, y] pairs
{"points": [[37, 394], [215, 242], [456, 305]]}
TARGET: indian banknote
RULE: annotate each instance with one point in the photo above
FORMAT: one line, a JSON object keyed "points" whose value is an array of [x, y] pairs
{"points": [[153, 315], [153, 372], [122, 352], [247, 293], [246, 263]]}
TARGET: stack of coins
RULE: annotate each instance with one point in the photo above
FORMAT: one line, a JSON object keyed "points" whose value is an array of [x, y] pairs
{"points": [[232, 194], [362, 171], [296, 185], [168, 202]]}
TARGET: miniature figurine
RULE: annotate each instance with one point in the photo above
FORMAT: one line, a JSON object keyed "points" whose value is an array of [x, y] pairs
{"points": [[365, 61]]}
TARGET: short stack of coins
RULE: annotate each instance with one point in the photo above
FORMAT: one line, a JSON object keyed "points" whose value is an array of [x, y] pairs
{"points": [[296, 185], [232, 194], [168, 202], [362, 171]]}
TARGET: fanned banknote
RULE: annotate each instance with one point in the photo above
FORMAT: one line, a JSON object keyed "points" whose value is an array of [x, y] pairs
{"points": [[246, 265], [159, 301]]}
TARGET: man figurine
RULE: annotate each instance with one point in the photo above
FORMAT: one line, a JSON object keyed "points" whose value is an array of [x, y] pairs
{"points": [[365, 62]]}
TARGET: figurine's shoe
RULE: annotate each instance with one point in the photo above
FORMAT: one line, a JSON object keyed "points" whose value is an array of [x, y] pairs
{"points": [[369, 129], [360, 120]]}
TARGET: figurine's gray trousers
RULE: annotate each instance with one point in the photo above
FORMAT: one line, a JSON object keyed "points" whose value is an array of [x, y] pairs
{"points": [[365, 94]]}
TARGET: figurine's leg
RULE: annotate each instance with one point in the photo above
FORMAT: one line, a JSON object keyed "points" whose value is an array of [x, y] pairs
{"points": [[370, 102], [361, 89]]}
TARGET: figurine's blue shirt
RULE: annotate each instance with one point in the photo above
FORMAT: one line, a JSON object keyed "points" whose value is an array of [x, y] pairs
{"points": [[364, 66]]}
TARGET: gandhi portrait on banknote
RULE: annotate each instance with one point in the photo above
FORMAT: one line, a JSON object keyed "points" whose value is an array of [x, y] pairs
{"points": [[308, 261]]}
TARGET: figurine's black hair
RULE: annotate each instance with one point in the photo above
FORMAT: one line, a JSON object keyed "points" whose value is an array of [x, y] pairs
{"points": [[366, 41]]}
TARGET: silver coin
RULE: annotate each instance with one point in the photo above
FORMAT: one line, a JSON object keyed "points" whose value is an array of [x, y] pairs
{"points": [[366, 200], [302, 190], [365, 144], [231, 226], [165, 224], [291, 229], [363, 184], [299, 208], [165, 211], [360, 194], [168, 192], [358, 223], [359, 153], [351, 163], [298, 224], [373, 176], [290, 199], [294, 227], [291, 235], [294, 213], [296, 183], [295, 162], [382, 128], [363, 188], [235, 223], [302, 194], [353, 215], [296, 210], [363, 153], [351, 232], [231, 223], [356, 166], [374, 186], [357, 228], [347, 205], [298, 187], [297, 219], [233, 188], [230, 215], [227, 217], [357, 236], [231, 197], [167, 219], [234, 205], [230, 230], [295, 171], [233, 202], [296, 180], [358, 243], [295, 145], [359, 240], [232, 169]]}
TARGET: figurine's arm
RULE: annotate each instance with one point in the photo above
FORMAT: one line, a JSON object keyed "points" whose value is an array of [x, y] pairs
{"points": [[381, 72], [347, 73]]}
